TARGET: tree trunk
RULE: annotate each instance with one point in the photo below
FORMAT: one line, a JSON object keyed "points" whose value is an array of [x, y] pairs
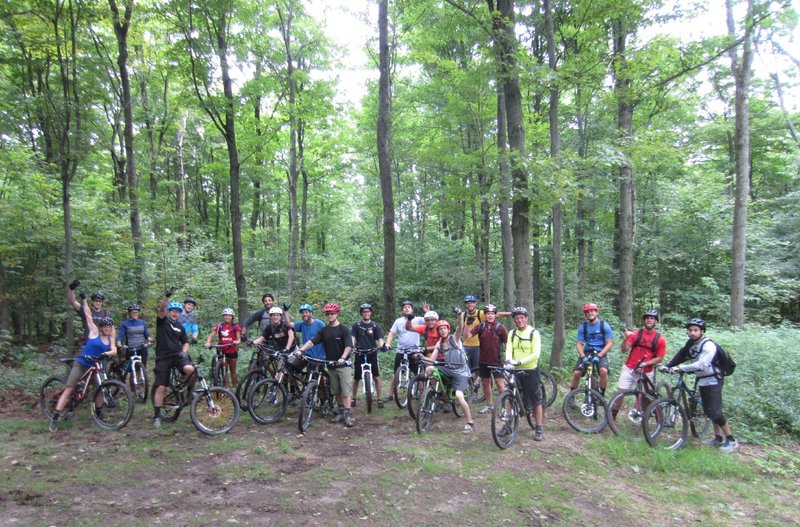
{"points": [[384, 163], [181, 201], [509, 300]]}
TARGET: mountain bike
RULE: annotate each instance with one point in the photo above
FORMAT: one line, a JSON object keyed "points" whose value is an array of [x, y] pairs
{"points": [[508, 408], [317, 393], [439, 388], [403, 375], [213, 410], [132, 372], [367, 384], [627, 408], [112, 401], [268, 399], [585, 409], [667, 421], [261, 366], [219, 365], [549, 389]]}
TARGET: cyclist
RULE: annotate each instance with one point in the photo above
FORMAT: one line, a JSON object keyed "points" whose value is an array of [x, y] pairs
{"points": [[470, 318], [596, 336], [263, 316], [427, 330], [188, 319], [455, 369], [405, 338], [491, 337], [100, 342], [230, 333], [134, 332], [277, 332], [336, 340], [647, 344], [702, 352], [96, 312], [172, 350], [366, 334], [308, 327], [523, 347]]}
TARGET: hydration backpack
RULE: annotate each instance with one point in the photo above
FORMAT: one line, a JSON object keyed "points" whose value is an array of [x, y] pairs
{"points": [[723, 360]]}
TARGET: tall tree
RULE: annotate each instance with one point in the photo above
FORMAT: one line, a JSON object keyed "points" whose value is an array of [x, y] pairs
{"points": [[385, 161]]}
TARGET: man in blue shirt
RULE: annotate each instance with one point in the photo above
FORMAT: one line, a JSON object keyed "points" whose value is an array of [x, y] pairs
{"points": [[308, 326], [595, 339]]}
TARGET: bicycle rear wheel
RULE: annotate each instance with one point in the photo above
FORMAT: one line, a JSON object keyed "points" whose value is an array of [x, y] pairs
{"points": [[172, 405], [244, 386], [699, 424], [307, 404], [266, 401], [427, 410], [626, 410], [368, 392], [415, 388], [505, 420], [585, 410], [215, 411], [549, 387], [49, 394], [665, 424], [138, 382], [116, 407], [400, 386]]}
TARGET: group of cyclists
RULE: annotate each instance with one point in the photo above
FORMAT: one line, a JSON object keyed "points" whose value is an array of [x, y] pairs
{"points": [[464, 355]]}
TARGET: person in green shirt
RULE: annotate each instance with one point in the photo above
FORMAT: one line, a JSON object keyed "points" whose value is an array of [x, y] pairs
{"points": [[523, 347]]}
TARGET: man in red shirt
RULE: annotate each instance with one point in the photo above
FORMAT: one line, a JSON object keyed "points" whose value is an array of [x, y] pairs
{"points": [[428, 330], [647, 344], [491, 336]]}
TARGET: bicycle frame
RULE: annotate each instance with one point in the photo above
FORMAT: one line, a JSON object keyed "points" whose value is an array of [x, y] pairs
{"points": [[366, 367]]}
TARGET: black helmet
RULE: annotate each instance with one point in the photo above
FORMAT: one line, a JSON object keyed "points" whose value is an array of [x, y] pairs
{"points": [[364, 306], [98, 296], [519, 310], [190, 300], [651, 313], [699, 322], [134, 307], [105, 321]]}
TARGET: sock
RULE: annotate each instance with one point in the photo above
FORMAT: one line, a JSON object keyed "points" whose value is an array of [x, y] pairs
{"points": [[718, 438], [157, 412]]}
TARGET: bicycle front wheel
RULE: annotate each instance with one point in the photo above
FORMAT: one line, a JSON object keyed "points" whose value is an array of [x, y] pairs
{"points": [[266, 401], [549, 387], [665, 424], [215, 411], [368, 392], [49, 394], [415, 388], [307, 404], [218, 374], [505, 420], [427, 410], [138, 382], [626, 410], [585, 410], [112, 405], [400, 389]]}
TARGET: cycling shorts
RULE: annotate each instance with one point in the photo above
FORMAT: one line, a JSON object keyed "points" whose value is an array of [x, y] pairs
{"points": [[372, 358], [163, 367]]}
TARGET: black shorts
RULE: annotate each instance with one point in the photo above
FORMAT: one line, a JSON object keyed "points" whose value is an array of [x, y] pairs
{"points": [[372, 358], [531, 385], [602, 364], [234, 355], [485, 370], [163, 367]]}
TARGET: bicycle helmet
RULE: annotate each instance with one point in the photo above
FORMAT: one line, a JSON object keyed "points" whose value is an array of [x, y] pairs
{"points": [[590, 307], [651, 313], [105, 321], [98, 296], [134, 307], [490, 308], [699, 322], [519, 310], [470, 298], [331, 308], [443, 323], [431, 315], [408, 303], [363, 307], [175, 306], [228, 311], [190, 300], [275, 311], [305, 307]]}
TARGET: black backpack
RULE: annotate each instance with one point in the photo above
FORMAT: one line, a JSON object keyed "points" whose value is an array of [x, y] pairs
{"points": [[722, 360]]}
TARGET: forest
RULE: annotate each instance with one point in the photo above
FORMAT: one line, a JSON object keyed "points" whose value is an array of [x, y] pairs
{"points": [[543, 153]]}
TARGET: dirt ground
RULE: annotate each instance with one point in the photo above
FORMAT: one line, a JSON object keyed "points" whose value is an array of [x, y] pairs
{"points": [[380, 472]]}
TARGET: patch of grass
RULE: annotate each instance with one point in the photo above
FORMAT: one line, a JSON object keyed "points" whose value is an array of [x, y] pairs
{"points": [[519, 491], [780, 462]]}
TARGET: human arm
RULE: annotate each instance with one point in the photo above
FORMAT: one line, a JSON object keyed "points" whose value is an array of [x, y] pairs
{"points": [[87, 315], [237, 339], [71, 295], [704, 359], [250, 319], [290, 341], [287, 319], [121, 334], [112, 344], [389, 338], [609, 341], [211, 335]]}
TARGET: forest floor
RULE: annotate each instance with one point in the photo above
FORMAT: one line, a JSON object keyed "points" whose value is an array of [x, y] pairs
{"points": [[380, 472]]}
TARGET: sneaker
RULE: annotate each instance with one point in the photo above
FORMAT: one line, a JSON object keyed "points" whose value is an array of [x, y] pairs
{"points": [[486, 409], [156, 422], [380, 403], [53, 424], [469, 428], [337, 418], [505, 431], [537, 434], [349, 421], [729, 446], [389, 399], [713, 442]]}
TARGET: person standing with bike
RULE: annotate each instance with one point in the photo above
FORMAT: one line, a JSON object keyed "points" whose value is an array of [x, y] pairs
{"points": [[702, 352], [367, 335], [100, 341], [491, 336], [406, 338], [646, 344], [134, 333], [229, 334], [188, 319], [455, 368], [470, 317], [594, 341], [523, 347], [172, 350], [336, 340]]}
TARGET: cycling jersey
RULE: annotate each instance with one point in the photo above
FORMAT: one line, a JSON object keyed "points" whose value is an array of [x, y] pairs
{"points": [[594, 335], [472, 321], [491, 335], [366, 334], [93, 348], [170, 338], [133, 333], [226, 333], [524, 345], [189, 323], [276, 336]]}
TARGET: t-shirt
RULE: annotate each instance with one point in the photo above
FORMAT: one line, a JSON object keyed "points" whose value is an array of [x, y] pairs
{"points": [[367, 334], [93, 348], [226, 333], [645, 348], [430, 334], [405, 338], [189, 322], [524, 345], [276, 336], [170, 338], [308, 330], [471, 321], [334, 340], [491, 336], [595, 335], [262, 316], [454, 357]]}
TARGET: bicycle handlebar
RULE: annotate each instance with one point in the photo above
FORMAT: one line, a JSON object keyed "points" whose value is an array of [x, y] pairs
{"points": [[329, 363]]}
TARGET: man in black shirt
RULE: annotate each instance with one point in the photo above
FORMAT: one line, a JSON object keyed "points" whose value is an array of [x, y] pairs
{"points": [[367, 335], [172, 350]]}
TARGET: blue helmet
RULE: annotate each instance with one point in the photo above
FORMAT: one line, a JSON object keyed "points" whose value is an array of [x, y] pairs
{"points": [[305, 307], [470, 298], [176, 306]]}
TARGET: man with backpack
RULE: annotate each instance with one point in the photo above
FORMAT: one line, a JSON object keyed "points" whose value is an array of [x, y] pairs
{"points": [[595, 339], [491, 337], [710, 364], [644, 344]]}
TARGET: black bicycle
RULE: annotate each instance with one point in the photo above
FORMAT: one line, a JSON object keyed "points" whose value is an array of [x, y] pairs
{"points": [[317, 396], [268, 399], [508, 408], [585, 409], [627, 408], [406, 371], [260, 367]]}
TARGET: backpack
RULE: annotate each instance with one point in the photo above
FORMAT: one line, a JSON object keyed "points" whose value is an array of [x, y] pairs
{"points": [[602, 327], [482, 326], [722, 360], [639, 339]]}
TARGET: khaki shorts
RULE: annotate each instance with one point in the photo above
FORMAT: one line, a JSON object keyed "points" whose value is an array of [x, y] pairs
{"points": [[627, 378], [341, 381]]}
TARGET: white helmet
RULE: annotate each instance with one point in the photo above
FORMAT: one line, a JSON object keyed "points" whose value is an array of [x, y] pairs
{"points": [[431, 315], [276, 311], [228, 311]]}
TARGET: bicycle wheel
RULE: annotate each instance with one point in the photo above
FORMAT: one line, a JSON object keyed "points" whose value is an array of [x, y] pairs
{"points": [[427, 410], [172, 405], [244, 386], [549, 387], [368, 392], [585, 410], [505, 420], [215, 411], [665, 424], [307, 404], [415, 388], [699, 424], [138, 382], [49, 394], [400, 389], [662, 389], [116, 407], [218, 374], [626, 410], [266, 401]]}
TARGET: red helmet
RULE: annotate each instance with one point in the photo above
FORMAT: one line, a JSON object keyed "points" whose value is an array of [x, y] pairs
{"points": [[590, 307], [442, 323], [331, 308]]}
